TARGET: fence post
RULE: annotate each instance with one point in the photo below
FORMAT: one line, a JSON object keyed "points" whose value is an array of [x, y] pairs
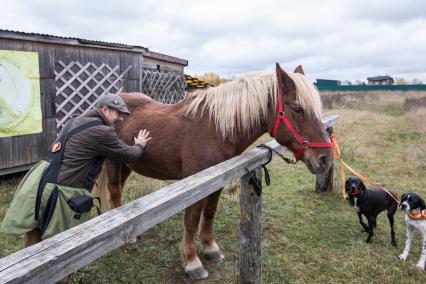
{"points": [[250, 230], [324, 181]]}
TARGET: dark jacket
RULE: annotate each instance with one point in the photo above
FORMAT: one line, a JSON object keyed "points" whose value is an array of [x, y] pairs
{"points": [[85, 151]]}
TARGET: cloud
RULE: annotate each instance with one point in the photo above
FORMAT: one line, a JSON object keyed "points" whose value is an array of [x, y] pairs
{"points": [[345, 40]]}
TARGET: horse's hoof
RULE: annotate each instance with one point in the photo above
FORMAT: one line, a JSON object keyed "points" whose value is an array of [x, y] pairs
{"points": [[215, 256], [198, 274]]}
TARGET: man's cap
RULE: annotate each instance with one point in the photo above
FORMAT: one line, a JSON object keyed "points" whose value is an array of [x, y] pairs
{"points": [[114, 101]]}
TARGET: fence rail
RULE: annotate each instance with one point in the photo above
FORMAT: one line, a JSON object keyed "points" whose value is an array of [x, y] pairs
{"points": [[56, 257]]}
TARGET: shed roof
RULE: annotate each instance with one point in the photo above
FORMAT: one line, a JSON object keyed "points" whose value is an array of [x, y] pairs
{"points": [[380, 78], [90, 43]]}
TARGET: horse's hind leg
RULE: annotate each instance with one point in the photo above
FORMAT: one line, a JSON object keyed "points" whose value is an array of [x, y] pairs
{"points": [[32, 237], [125, 173], [211, 249], [114, 171], [192, 264]]}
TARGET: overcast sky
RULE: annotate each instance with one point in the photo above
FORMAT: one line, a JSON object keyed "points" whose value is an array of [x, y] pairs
{"points": [[332, 39]]}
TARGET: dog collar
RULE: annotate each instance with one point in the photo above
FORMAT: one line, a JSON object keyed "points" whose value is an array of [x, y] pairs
{"points": [[421, 215], [358, 191]]}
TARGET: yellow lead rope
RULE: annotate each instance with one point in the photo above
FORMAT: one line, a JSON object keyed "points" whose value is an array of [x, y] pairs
{"points": [[337, 155]]}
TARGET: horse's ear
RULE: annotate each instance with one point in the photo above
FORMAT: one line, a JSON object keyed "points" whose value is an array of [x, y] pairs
{"points": [[299, 70], [285, 83]]}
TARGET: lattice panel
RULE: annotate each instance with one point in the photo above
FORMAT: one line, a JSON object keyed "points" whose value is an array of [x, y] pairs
{"points": [[78, 87], [163, 86]]}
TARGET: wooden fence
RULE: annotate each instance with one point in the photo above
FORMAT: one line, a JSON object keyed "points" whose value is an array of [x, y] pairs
{"points": [[78, 87], [71, 250], [167, 87]]}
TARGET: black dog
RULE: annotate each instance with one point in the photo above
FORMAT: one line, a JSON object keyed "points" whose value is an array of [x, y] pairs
{"points": [[370, 203]]}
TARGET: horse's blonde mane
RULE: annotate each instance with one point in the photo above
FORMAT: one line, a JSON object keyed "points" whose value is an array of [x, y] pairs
{"points": [[243, 104]]}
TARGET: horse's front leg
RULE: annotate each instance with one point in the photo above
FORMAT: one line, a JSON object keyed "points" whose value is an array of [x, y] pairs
{"points": [[192, 264], [211, 249]]}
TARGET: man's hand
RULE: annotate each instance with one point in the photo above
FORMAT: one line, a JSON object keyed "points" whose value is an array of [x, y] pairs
{"points": [[143, 138]]}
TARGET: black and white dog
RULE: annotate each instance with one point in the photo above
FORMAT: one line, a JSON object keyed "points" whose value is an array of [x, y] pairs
{"points": [[415, 209], [370, 203]]}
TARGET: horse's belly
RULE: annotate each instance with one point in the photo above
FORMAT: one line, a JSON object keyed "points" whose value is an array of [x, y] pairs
{"points": [[160, 171]]}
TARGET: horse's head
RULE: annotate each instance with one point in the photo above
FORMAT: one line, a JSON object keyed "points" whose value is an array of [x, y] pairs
{"points": [[297, 120]]}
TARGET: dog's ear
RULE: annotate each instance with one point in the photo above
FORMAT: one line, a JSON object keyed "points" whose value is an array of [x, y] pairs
{"points": [[422, 204], [403, 196], [347, 183], [362, 185]]}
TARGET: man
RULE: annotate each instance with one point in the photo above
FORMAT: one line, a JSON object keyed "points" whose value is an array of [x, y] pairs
{"points": [[72, 166]]}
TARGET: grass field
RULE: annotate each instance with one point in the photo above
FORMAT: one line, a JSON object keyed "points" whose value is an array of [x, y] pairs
{"points": [[307, 237]]}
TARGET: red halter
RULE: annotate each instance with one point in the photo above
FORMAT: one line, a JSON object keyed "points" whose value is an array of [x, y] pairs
{"points": [[304, 144]]}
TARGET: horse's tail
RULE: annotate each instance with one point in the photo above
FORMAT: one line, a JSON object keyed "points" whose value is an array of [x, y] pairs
{"points": [[101, 190]]}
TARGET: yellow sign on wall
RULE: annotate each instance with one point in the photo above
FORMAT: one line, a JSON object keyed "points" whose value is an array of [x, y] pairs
{"points": [[20, 111]]}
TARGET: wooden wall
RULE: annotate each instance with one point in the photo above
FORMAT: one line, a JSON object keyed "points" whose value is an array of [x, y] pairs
{"points": [[20, 152]]}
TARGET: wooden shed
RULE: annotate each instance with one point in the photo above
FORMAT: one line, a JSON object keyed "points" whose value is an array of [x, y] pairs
{"points": [[73, 74]]}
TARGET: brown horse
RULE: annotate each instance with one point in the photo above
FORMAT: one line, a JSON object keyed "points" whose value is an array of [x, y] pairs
{"points": [[211, 126]]}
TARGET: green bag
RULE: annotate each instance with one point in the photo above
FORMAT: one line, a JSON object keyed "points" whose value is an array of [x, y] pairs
{"points": [[39, 202], [63, 216], [20, 217]]}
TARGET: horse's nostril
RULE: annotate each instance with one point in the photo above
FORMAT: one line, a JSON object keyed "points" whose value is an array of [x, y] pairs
{"points": [[324, 161]]}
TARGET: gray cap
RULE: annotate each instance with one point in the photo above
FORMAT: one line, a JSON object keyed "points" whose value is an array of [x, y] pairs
{"points": [[114, 101]]}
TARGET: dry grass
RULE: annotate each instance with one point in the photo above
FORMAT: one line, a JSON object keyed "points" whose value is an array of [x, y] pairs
{"points": [[418, 116], [367, 100]]}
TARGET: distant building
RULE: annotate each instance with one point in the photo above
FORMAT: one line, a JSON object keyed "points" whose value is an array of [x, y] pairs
{"points": [[327, 83], [380, 80]]}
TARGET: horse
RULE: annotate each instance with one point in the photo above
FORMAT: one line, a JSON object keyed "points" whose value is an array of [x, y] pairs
{"points": [[213, 125]]}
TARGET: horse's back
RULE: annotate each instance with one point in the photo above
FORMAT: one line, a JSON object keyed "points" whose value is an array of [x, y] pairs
{"points": [[161, 158], [134, 100]]}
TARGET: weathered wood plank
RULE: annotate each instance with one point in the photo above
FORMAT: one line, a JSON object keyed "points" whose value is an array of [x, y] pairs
{"points": [[25, 146], [131, 86], [47, 97], [6, 152], [49, 135], [46, 55], [250, 230], [130, 59], [20, 168], [66, 252]]}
